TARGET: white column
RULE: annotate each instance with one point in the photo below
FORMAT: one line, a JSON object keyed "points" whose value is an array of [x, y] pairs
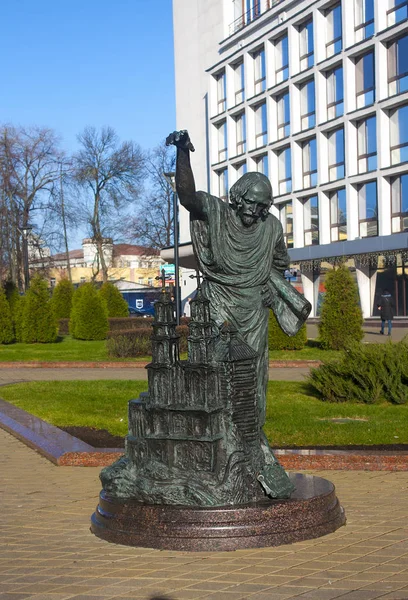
{"points": [[310, 282], [366, 287]]}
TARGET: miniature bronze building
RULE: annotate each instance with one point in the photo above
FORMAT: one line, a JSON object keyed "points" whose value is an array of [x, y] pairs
{"points": [[194, 437]]}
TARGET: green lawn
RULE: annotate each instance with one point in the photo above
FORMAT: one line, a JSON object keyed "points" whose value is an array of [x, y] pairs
{"points": [[294, 418], [68, 349], [312, 351]]}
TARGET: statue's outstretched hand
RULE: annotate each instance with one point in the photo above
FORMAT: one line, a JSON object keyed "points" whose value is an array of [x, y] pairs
{"points": [[180, 139]]}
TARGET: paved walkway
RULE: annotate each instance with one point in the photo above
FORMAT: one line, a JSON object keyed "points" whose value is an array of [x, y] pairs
{"points": [[15, 375], [48, 553]]}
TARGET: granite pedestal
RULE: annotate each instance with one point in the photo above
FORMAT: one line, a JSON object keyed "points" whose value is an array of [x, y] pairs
{"points": [[312, 510]]}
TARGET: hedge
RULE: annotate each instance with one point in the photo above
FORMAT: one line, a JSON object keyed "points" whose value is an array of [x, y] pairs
{"points": [[131, 343]]}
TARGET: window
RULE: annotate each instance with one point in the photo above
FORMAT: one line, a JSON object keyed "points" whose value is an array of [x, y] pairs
{"points": [[399, 135], [239, 81], [365, 80], [364, 19], [367, 209], [82, 279], [398, 12], [338, 215], [311, 221], [150, 281], [399, 204], [262, 164], [223, 184], [286, 218], [283, 115], [141, 280], [336, 154], [240, 122], [259, 71], [334, 31], [261, 127], [222, 141], [335, 99], [240, 169], [52, 282], [367, 145], [306, 46], [309, 157], [221, 92], [253, 9], [285, 171], [282, 59], [398, 66], [307, 95]]}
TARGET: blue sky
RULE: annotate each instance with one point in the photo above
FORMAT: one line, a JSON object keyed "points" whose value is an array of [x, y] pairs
{"points": [[71, 63]]}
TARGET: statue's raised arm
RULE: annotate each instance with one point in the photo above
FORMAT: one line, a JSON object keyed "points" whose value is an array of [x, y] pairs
{"points": [[185, 184]]}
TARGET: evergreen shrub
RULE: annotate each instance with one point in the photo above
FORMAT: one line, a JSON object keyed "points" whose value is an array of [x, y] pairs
{"points": [[18, 316], [115, 303], [6, 322], [62, 299], [13, 298], [76, 297], [278, 340], [39, 322], [63, 326], [341, 320], [366, 373], [89, 319]]}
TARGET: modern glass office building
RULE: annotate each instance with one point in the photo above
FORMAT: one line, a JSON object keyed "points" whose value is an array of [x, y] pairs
{"points": [[314, 94]]}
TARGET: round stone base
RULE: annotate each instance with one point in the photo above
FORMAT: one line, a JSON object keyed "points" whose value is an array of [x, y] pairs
{"points": [[312, 511]]}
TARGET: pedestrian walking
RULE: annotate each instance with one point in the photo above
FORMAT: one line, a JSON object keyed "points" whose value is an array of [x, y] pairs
{"points": [[387, 310]]}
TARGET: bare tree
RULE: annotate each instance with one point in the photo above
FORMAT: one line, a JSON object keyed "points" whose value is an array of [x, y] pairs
{"points": [[153, 224], [110, 175], [28, 171]]}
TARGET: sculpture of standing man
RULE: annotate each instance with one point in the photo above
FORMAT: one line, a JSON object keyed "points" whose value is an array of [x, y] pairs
{"points": [[241, 253]]}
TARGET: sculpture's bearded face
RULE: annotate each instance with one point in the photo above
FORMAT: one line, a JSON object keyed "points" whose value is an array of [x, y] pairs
{"points": [[254, 204]]}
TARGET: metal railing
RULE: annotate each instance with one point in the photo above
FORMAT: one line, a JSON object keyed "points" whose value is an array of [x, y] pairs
{"points": [[252, 14]]}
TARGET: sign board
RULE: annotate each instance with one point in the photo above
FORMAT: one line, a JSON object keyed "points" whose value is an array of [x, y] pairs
{"points": [[169, 270]]}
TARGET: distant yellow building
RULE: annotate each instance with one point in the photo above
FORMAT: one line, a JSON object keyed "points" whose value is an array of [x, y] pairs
{"points": [[126, 262]]}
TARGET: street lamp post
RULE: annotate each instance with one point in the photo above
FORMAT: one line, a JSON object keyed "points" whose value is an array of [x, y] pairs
{"points": [[171, 179], [25, 232]]}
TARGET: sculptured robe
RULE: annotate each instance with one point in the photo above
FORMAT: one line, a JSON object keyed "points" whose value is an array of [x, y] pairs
{"points": [[239, 264]]}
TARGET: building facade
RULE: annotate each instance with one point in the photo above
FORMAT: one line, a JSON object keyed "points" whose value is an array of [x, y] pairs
{"points": [[314, 94], [126, 262]]}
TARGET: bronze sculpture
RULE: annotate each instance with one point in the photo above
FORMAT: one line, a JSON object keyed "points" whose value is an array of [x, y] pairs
{"points": [[241, 252], [198, 472]]}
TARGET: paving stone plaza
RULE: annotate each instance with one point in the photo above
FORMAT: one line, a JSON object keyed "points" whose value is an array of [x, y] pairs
{"points": [[48, 552]]}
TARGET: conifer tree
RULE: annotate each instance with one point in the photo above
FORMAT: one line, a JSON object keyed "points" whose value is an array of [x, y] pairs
{"points": [[341, 318], [76, 297], [62, 299], [89, 315], [115, 303], [13, 298], [278, 340], [6, 323], [18, 315], [39, 322]]}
